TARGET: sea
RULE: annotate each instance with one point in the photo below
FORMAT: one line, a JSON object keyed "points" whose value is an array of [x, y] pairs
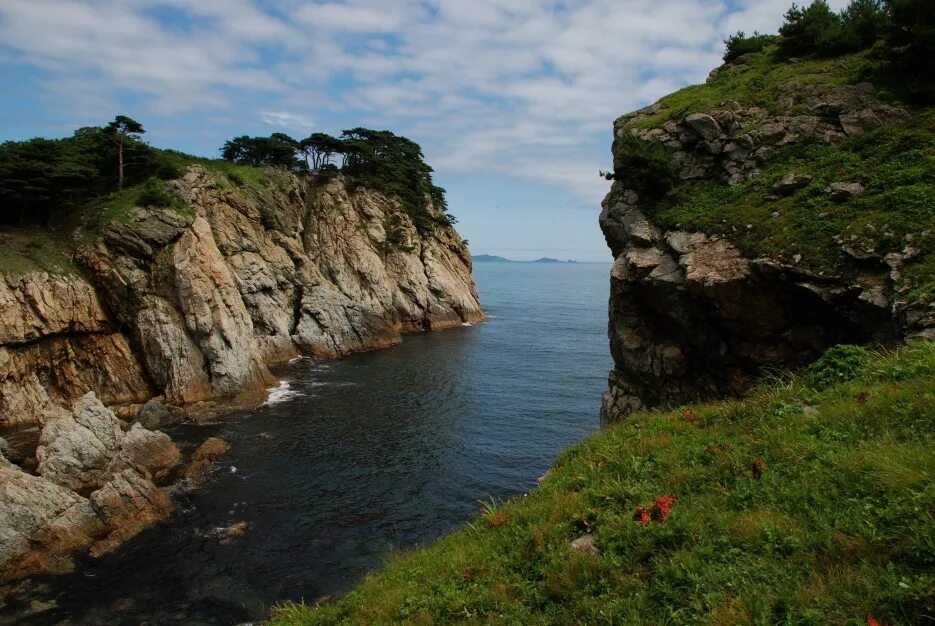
{"points": [[350, 461]]}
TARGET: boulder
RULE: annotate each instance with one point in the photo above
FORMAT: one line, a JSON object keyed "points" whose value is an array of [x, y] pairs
{"points": [[126, 505], [84, 450], [791, 183], [845, 191], [154, 415], [40, 523], [585, 545], [705, 125], [203, 457], [856, 123]]}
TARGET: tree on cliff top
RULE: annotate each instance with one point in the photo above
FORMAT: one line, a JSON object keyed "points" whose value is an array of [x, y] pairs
{"points": [[123, 131]]}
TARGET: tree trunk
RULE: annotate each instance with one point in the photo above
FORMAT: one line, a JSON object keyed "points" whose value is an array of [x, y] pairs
{"points": [[120, 166]]}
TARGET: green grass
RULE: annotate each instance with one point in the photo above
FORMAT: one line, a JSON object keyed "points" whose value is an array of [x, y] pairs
{"points": [[794, 506], [896, 165], [35, 250], [755, 84]]}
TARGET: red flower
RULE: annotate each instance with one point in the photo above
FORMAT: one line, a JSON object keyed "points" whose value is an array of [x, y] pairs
{"points": [[871, 621], [642, 515], [661, 507]]}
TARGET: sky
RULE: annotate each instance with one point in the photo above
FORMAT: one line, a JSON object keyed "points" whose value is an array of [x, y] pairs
{"points": [[513, 101]]}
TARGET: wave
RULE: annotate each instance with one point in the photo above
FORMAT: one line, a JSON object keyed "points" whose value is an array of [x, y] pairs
{"points": [[282, 393]]}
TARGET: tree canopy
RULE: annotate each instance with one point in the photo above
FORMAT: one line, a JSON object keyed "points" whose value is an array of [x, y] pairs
{"points": [[378, 159], [41, 179]]}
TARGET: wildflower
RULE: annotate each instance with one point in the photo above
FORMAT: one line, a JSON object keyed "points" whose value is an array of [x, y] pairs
{"points": [[862, 397], [661, 507], [690, 416], [871, 621], [642, 515]]}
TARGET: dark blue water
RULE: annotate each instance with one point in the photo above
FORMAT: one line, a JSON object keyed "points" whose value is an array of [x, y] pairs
{"points": [[365, 455]]}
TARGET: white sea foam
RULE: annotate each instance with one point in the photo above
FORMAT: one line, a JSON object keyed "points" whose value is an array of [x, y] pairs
{"points": [[282, 393], [297, 359], [467, 324]]}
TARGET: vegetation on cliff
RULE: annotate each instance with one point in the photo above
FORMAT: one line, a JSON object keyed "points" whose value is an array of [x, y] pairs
{"points": [[100, 173], [809, 501], [858, 198]]}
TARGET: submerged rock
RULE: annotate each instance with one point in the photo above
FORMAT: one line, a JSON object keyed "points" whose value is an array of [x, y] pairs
{"points": [[204, 457]]}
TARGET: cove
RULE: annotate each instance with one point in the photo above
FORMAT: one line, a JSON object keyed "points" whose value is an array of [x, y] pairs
{"points": [[356, 458]]}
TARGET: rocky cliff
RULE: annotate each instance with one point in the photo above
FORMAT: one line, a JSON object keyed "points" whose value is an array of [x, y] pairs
{"points": [[195, 300], [758, 219]]}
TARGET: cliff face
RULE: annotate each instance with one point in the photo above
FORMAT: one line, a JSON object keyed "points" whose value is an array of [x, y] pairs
{"points": [[196, 303], [768, 243]]}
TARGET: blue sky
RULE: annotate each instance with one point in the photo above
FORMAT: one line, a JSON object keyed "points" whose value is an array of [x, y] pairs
{"points": [[512, 100]]}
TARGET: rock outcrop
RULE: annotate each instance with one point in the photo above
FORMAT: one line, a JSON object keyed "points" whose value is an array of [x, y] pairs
{"points": [[194, 304], [690, 315], [87, 448], [94, 490]]}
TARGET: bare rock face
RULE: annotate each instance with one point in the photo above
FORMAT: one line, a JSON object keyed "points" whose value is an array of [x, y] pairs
{"points": [[54, 328], [86, 449], [689, 315], [196, 306]]}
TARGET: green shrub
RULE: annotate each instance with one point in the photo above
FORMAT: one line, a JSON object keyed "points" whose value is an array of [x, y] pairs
{"points": [[840, 364], [739, 44], [911, 39], [814, 29], [643, 165], [236, 178], [155, 193], [268, 218], [863, 22]]}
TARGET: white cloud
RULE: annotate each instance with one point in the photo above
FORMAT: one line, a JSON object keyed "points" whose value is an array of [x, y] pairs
{"points": [[526, 87], [288, 121]]}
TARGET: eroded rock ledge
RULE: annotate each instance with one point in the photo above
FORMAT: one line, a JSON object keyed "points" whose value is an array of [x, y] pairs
{"points": [[690, 316], [193, 306]]}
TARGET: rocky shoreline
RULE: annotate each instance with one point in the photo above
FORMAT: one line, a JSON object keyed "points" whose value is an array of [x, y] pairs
{"points": [[171, 312], [95, 485], [192, 305]]}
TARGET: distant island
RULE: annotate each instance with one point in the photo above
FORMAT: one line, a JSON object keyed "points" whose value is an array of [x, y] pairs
{"points": [[490, 258]]}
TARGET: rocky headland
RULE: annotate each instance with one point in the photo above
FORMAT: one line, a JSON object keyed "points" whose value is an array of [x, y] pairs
{"points": [[193, 304], [162, 310], [753, 226]]}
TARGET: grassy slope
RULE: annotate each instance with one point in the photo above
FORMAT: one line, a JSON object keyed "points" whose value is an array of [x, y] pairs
{"points": [[896, 164], [838, 527]]}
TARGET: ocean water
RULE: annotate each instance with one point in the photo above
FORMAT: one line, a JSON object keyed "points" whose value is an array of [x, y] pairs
{"points": [[352, 459]]}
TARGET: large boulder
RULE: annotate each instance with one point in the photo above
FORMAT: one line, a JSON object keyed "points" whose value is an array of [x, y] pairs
{"points": [[154, 415], [204, 457], [86, 449], [705, 125], [40, 523]]}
